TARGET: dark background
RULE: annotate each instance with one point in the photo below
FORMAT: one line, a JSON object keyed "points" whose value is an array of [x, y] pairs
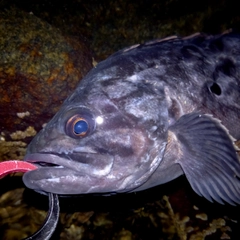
{"points": [[111, 25]]}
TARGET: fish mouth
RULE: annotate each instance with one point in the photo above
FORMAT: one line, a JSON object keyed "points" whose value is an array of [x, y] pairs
{"points": [[63, 174], [87, 163], [43, 160]]}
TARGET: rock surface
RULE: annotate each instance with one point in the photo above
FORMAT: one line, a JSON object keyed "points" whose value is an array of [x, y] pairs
{"points": [[39, 68]]}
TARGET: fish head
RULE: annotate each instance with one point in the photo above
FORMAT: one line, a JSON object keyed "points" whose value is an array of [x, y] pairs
{"points": [[99, 142]]}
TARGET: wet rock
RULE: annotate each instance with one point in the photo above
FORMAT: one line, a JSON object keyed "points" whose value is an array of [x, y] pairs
{"points": [[39, 68]]}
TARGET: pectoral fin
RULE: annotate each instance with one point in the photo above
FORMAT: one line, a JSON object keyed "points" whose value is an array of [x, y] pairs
{"points": [[208, 157]]}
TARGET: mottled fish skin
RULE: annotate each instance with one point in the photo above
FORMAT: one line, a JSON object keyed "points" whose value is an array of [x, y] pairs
{"points": [[149, 114]]}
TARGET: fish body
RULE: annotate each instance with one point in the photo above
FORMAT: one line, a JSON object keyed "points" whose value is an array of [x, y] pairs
{"points": [[144, 116]]}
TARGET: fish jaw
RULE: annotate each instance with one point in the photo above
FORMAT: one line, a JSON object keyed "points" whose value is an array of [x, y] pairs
{"points": [[60, 175]]}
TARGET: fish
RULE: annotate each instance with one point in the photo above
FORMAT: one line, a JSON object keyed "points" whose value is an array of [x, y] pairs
{"points": [[144, 116]]}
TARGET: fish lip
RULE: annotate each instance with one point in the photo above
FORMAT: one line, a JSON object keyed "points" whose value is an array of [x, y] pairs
{"points": [[59, 161], [49, 158]]}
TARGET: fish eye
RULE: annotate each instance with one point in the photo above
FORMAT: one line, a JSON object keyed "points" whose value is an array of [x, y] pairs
{"points": [[79, 125]]}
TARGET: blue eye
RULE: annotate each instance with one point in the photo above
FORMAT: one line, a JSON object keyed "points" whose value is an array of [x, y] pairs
{"points": [[79, 125]]}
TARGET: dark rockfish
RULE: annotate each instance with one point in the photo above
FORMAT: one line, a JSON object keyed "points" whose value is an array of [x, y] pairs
{"points": [[145, 116]]}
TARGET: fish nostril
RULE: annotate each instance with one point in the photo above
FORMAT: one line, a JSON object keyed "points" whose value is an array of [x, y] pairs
{"points": [[216, 89]]}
